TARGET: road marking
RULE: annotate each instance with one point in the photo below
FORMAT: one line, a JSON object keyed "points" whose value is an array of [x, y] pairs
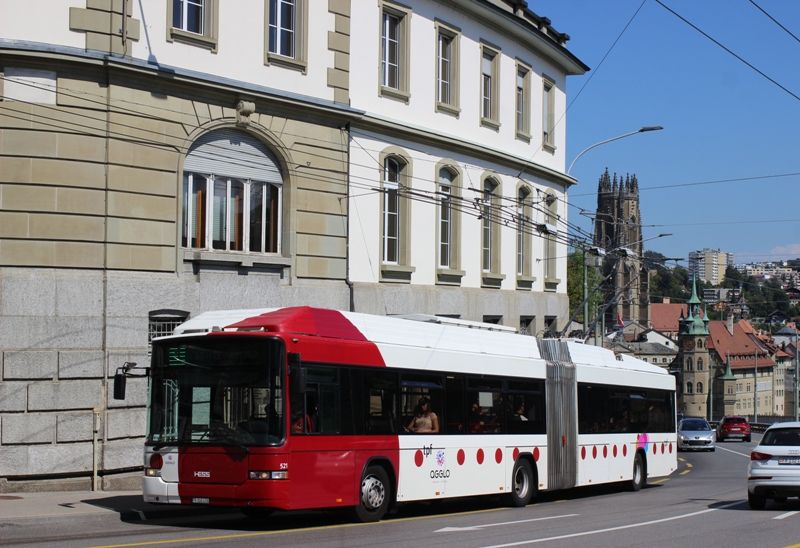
{"points": [[786, 515], [609, 529], [656, 482], [734, 452], [298, 530], [478, 527]]}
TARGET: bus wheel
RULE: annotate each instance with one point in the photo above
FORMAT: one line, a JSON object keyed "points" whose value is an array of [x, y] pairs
{"points": [[638, 480], [522, 486], [374, 495]]}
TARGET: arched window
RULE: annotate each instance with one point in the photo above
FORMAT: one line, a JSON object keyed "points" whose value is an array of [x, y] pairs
{"points": [[699, 387], [448, 222], [232, 194], [699, 343], [688, 387], [392, 167], [395, 244], [689, 363], [523, 232], [551, 218], [699, 364], [490, 230]]}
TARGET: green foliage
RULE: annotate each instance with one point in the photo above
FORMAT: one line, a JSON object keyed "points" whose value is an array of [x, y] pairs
{"points": [[575, 286]]}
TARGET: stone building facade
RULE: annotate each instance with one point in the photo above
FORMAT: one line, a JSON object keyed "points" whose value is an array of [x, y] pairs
{"points": [[157, 162]]}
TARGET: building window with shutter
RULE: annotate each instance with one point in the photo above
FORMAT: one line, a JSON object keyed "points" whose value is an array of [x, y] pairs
{"points": [[232, 190]]}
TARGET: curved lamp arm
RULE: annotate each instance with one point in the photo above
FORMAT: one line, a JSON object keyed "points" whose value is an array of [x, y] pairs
{"points": [[590, 147]]}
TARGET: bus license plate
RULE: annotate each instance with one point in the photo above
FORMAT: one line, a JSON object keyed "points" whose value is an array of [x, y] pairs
{"points": [[789, 460], [200, 500]]}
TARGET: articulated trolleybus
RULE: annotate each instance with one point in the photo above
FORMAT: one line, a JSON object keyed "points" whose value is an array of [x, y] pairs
{"points": [[303, 407]]}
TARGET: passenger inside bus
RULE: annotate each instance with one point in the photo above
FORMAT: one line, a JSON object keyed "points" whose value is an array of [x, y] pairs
{"points": [[305, 423], [424, 420], [476, 422]]}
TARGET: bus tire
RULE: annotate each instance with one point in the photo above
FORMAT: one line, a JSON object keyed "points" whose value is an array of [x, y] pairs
{"points": [[522, 484], [639, 478], [374, 495]]}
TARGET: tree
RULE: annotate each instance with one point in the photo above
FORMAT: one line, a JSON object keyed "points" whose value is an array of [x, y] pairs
{"points": [[575, 286]]}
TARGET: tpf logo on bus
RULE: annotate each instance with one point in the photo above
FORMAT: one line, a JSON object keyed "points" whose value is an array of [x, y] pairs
{"points": [[440, 472]]}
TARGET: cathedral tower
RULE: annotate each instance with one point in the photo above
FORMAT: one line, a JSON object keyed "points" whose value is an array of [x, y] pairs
{"points": [[618, 226]]}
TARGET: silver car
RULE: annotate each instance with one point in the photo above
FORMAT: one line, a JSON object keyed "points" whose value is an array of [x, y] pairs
{"points": [[695, 434], [774, 469]]}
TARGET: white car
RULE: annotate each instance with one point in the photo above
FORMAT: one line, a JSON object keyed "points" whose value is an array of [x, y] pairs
{"points": [[774, 469]]}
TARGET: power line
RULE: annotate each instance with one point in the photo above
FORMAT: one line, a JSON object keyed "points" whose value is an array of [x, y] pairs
{"points": [[698, 29], [790, 33]]}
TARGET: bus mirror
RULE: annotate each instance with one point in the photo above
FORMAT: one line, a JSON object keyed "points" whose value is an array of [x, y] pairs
{"points": [[119, 386]]}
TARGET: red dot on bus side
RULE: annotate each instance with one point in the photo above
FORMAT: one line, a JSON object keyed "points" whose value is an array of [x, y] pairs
{"points": [[460, 456], [498, 455], [536, 454], [583, 453], [605, 451], [480, 456], [655, 448], [624, 450], [418, 458], [516, 454], [614, 450], [594, 451], [662, 448], [670, 448]]}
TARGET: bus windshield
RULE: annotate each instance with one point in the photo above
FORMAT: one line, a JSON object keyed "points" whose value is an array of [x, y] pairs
{"points": [[216, 391]]}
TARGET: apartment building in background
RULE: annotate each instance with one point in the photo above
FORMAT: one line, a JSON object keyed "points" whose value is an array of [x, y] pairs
{"points": [[162, 158], [709, 265]]}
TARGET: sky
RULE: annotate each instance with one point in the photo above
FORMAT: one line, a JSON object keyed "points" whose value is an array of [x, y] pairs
{"points": [[724, 173]]}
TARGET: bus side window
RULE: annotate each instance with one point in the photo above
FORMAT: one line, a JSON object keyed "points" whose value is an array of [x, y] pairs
{"points": [[376, 410]]}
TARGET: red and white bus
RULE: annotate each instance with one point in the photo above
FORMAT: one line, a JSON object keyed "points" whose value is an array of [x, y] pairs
{"points": [[303, 407]]}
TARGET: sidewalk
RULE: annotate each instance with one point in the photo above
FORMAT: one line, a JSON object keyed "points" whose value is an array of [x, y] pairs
{"points": [[128, 505]]}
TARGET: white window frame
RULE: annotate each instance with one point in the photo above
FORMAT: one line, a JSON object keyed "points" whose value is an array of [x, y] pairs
{"points": [[247, 184], [207, 35], [522, 102], [391, 218], [447, 69], [489, 86], [297, 57], [548, 114], [400, 90], [444, 247]]}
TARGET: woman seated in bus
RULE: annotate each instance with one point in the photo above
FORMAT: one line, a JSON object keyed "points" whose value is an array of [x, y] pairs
{"points": [[476, 419], [424, 420]]}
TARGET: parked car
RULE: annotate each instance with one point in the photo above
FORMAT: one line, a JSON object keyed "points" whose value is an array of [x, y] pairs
{"points": [[733, 427], [695, 434], [774, 469]]}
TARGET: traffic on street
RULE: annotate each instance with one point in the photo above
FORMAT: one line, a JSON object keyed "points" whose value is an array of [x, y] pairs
{"points": [[705, 499]]}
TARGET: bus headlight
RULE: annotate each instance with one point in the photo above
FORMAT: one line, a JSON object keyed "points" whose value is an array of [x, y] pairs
{"points": [[267, 474]]}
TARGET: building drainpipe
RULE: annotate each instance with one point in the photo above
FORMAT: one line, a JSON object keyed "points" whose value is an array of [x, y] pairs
{"points": [[350, 288]]}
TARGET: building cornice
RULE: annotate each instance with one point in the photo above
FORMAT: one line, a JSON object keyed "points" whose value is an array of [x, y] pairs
{"points": [[330, 110]]}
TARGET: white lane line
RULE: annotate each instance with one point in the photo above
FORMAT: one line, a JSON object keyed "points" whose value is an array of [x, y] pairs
{"points": [[608, 530], [478, 527], [734, 452], [787, 515]]}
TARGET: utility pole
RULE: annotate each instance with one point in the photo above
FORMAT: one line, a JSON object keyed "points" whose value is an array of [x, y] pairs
{"points": [[755, 387], [796, 367]]}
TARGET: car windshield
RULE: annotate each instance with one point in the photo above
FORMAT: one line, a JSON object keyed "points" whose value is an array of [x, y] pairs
{"points": [[782, 436], [694, 425]]}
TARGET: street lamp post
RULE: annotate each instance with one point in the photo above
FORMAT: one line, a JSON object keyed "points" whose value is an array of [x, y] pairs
{"points": [[642, 129]]}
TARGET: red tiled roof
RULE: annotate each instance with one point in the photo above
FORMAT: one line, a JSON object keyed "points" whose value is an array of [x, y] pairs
{"points": [[743, 345], [664, 316]]}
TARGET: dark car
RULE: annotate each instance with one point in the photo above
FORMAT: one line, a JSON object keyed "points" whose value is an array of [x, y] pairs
{"points": [[733, 427]]}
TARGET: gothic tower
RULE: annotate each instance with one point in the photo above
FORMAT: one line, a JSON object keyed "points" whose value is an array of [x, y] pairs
{"points": [[694, 359], [618, 227]]}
